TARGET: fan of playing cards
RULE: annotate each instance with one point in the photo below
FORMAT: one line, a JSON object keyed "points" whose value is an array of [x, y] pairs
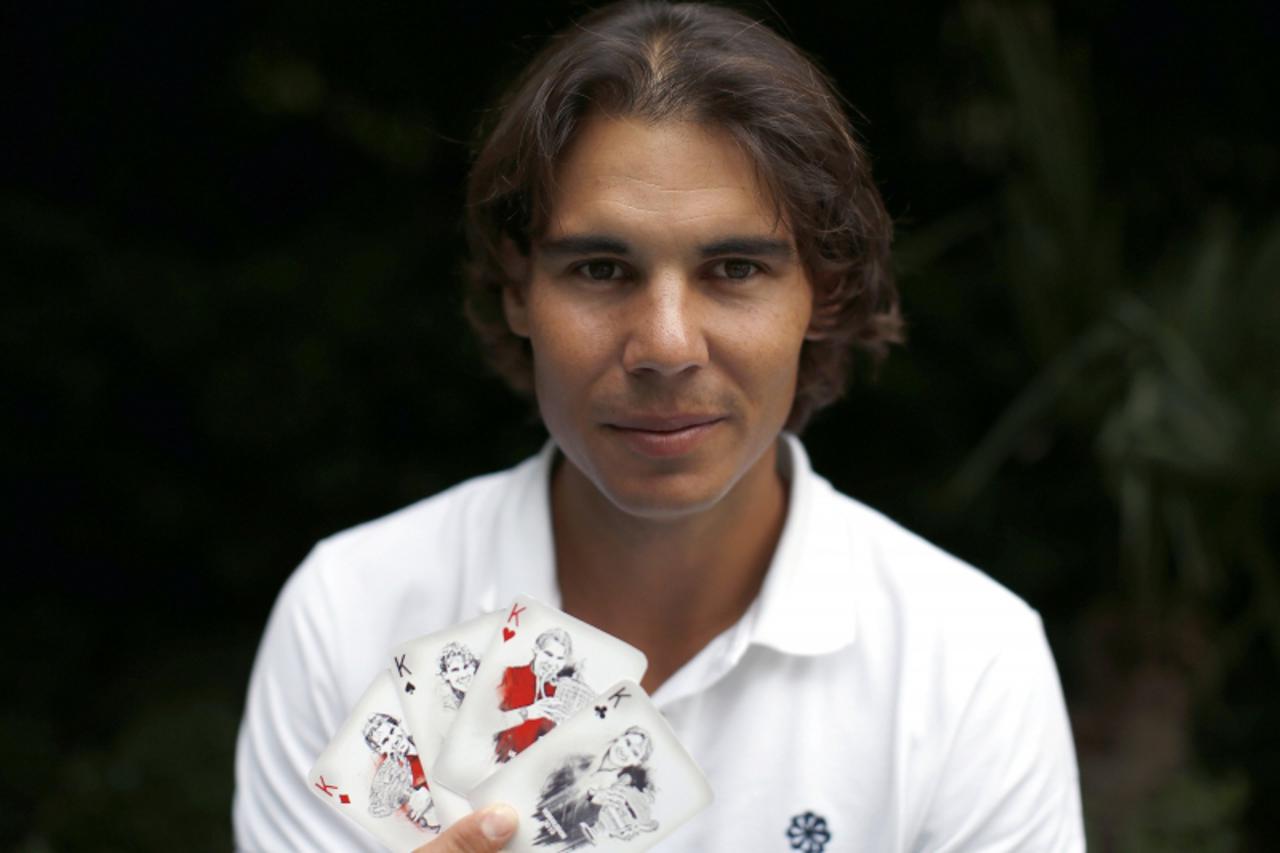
{"points": [[554, 723]]}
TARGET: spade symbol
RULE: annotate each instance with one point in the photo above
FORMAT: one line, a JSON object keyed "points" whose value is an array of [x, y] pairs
{"points": [[409, 688]]}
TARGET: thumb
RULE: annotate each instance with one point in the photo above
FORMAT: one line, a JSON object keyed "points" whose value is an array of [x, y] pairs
{"points": [[482, 832]]}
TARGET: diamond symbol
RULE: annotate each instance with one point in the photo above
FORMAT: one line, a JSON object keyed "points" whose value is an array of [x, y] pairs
{"points": [[344, 799]]}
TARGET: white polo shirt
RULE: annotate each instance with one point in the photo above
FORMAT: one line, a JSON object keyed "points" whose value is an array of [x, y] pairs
{"points": [[879, 695]]}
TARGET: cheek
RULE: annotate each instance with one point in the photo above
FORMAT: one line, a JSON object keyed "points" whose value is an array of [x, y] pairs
{"points": [[570, 345], [766, 344]]}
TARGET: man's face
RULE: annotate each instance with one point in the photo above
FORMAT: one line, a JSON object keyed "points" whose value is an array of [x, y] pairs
{"points": [[628, 750], [458, 673], [666, 308], [548, 658], [390, 738]]}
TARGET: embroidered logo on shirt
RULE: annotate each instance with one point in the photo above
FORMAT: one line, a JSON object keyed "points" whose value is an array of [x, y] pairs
{"points": [[808, 833]]}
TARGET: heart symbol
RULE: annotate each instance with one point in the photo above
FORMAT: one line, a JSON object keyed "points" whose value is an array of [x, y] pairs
{"points": [[507, 633]]}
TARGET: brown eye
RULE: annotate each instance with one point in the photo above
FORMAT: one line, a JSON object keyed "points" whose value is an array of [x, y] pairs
{"points": [[600, 270], [737, 270]]}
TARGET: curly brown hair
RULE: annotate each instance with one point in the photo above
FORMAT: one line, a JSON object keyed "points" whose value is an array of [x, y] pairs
{"points": [[715, 66]]}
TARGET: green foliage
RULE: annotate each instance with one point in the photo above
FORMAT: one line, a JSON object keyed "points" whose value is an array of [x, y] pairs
{"points": [[1189, 813], [1170, 369]]}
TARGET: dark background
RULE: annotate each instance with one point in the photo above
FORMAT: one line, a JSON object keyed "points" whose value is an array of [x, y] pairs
{"points": [[229, 244]]}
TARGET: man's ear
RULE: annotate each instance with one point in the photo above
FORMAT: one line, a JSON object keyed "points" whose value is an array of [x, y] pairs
{"points": [[516, 267]]}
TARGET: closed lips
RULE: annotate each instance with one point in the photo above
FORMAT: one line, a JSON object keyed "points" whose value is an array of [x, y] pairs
{"points": [[665, 424]]}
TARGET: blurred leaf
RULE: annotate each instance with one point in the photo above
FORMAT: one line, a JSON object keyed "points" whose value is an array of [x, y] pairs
{"points": [[1170, 371], [1191, 813]]}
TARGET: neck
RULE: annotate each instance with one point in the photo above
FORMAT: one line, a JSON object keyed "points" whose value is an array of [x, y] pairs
{"points": [[698, 572]]}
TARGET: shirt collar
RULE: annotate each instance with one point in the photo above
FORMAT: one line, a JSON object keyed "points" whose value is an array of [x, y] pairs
{"points": [[803, 608], [517, 556]]}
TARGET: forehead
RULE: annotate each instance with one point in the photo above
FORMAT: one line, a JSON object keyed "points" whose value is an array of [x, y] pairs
{"points": [[658, 180]]}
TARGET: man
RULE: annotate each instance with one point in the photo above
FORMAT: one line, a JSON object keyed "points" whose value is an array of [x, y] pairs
{"points": [[589, 799], [399, 783], [677, 246], [531, 695], [457, 665]]}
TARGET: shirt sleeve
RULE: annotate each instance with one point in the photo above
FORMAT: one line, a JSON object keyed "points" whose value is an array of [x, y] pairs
{"points": [[1009, 780], [292, 709]]}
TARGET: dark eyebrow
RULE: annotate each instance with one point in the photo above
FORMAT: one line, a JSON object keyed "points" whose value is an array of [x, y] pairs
{"points": [[584, 244], [754, 246], [604, 244]]}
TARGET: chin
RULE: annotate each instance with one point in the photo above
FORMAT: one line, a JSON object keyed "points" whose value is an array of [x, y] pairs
{"points": [[669, 499]]}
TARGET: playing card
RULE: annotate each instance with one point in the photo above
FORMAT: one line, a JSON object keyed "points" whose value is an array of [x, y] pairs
{"points": [[434, 673], [371, 772], [613, 778], [539, 668], [451, 807]]}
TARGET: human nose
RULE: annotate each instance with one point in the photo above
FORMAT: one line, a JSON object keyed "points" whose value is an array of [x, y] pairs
{"points": [[665, 334]]}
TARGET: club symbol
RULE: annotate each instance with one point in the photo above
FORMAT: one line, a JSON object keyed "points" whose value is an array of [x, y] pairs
{"points": [[601, 710]]}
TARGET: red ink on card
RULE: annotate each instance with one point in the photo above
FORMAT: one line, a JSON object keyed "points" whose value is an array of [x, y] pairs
{"points": [[507, 633]]}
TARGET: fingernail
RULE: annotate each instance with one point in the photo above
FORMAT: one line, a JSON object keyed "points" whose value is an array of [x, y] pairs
{"points": [[498, 822]]}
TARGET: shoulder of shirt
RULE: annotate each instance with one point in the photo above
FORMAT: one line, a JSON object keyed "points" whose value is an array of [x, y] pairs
{"points": [[926, 590]]}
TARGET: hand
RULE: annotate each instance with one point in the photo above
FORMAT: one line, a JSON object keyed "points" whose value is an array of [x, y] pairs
{"points": [[605, 797], [482, 832], [422, 808], [630, 815], [547, 708]]}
